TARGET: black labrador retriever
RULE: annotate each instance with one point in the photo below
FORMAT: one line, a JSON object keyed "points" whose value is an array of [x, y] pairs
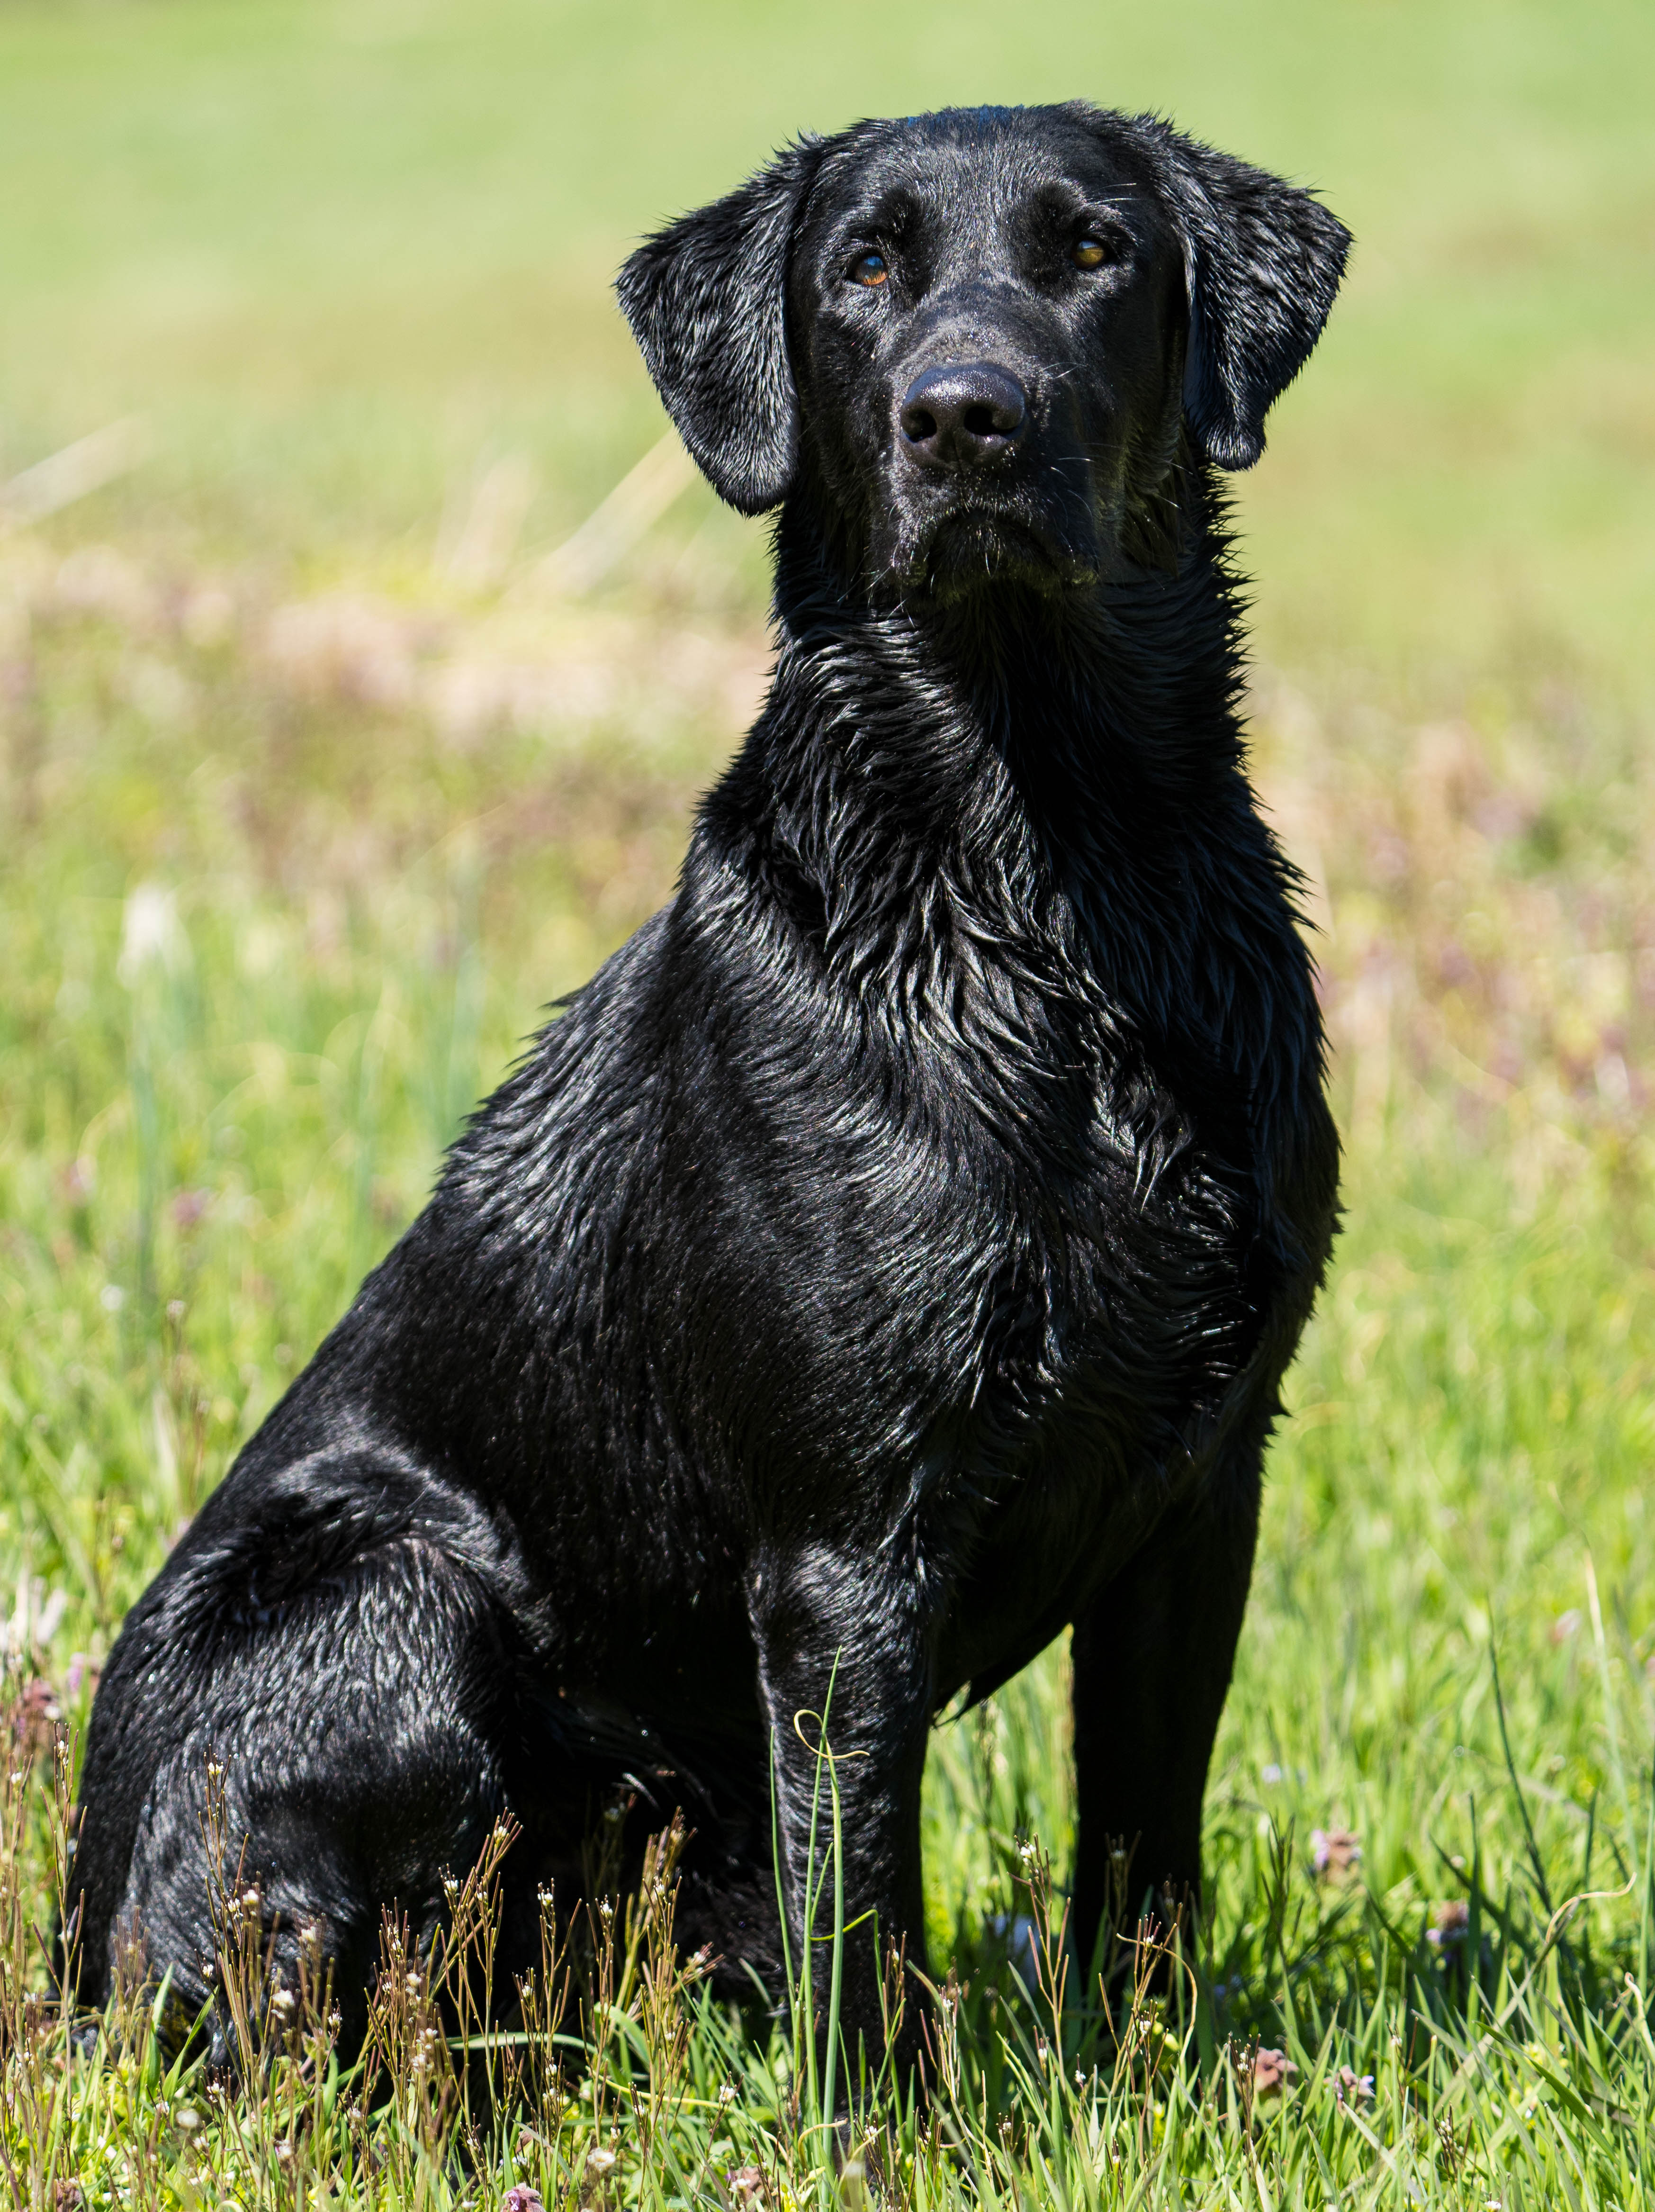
{"points": [[892, 1255]]}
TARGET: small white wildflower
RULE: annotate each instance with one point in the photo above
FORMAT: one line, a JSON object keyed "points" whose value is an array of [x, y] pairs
{"points": [[151, 932]]}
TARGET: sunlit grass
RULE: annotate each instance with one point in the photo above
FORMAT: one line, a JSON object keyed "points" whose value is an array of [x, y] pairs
{"points": [[284, 908], [315, 792]]}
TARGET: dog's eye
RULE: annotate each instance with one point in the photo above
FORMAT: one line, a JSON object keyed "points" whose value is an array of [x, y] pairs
{"points": [[868, 269], [1089, 253]]}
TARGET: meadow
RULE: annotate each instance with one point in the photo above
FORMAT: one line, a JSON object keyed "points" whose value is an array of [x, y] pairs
{"points": [[330, 756]]}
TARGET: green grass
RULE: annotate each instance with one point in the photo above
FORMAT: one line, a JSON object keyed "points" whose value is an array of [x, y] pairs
{"points": [[303, 825]]}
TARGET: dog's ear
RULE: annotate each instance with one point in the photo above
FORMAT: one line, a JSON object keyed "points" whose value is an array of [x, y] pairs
{"points": [[706, 301], [1262, 260]]}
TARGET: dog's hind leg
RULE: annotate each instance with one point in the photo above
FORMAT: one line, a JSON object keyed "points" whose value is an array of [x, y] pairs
{"points": [[357, 1726], [1153, 1655]]}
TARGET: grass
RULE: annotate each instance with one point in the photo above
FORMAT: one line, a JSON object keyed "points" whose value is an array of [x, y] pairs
{"points": [[316, 789]]}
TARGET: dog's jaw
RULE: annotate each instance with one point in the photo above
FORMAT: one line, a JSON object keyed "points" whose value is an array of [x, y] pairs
{"points": [[975, 548]]}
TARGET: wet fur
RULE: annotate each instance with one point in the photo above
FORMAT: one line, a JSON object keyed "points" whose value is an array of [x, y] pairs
{"points": [[892, 1255]]}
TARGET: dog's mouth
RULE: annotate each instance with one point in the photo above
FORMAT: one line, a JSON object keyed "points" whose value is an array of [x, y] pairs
{"points": [[972, 548]]}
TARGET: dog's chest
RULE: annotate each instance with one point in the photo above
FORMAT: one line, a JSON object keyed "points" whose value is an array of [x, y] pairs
{"points": [[1082, 1335], [1021, 1118], [1035, 1257], [1095, 1284], [1094, 1307]]}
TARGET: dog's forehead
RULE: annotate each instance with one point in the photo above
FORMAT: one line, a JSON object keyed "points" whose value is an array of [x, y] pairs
{"points": [[979, 164]]}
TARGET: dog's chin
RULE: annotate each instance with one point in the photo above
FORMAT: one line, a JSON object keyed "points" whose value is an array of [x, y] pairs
{"points": [[965, 553]]}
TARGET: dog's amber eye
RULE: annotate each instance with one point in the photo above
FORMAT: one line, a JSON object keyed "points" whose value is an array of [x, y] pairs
{"points": [[869, 269], [1089, 253]]}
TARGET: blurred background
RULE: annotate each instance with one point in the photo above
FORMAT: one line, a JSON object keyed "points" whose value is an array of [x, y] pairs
{"points": [[363, 648]]}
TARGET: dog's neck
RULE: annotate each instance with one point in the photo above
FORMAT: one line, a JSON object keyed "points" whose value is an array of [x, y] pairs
{"points": [[1110, 710], [1044, 797]]}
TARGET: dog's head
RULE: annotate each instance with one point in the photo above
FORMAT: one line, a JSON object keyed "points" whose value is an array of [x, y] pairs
{"points": [[977, 335]]}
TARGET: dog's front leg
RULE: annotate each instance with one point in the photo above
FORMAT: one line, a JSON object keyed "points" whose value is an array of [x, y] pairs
{"points": [[845, 1676]]}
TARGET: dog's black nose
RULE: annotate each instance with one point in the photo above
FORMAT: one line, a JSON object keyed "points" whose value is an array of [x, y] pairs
{"points": [[962, 415]]}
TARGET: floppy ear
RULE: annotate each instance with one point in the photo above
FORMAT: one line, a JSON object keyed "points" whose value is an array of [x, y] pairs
{"points": [[1263, 261], [706, 301]]}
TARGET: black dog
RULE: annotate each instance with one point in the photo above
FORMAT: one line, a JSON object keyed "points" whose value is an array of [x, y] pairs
{"points": [[892, 1255]]}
